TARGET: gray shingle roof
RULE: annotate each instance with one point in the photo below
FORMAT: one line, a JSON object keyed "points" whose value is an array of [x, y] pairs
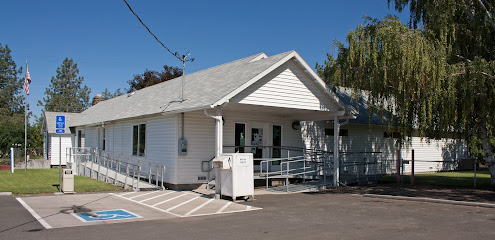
{"points": [[359, 109], [201, 90], [50, 119]]}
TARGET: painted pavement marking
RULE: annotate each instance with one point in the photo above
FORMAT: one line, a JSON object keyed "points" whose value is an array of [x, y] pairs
{"points": [[224, 207], [183, 203], [199, 207], [148, 193], [155, 197], [188, 204], [108, 215], [168, 200], [35, 215]]}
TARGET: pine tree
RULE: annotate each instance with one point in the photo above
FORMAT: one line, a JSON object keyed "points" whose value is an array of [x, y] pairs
{"points": [[11, 101], [66, 92]]}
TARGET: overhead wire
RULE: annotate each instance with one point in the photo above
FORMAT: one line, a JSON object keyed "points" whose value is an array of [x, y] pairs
{"points": [[176, 54]]}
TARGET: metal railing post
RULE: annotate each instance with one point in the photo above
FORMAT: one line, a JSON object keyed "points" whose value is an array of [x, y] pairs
{"points": [[149, 173], [287, 177], [163, 172], [126, 174], [156, 176], [133, 176], [138, 178]]}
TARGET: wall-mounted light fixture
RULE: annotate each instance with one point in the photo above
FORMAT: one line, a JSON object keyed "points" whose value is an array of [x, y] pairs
{"points": [[296, 125]]}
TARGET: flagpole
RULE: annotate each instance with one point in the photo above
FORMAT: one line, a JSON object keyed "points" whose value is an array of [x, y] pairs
{"points": [[25, 126]]}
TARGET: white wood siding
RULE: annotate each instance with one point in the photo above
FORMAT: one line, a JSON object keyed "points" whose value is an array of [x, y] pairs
{"points": [[161, 142], [55, 148], [200, 135], [289, 87], [430, 156], [91, 138]]}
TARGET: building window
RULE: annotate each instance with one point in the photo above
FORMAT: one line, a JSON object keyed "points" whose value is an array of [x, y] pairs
{"points": [[79, 138], [139, 139], [277, 143], [240, 137], [391, 134], [103, 146], [342, 132]]}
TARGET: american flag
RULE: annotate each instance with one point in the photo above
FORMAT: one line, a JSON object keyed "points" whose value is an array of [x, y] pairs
{"points": [[27, 81]]}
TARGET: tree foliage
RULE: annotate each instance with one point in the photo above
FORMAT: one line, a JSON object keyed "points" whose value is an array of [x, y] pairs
{"points": [[66, 92], [107, 94], [438, 79], [11, 101], [149, 78]]}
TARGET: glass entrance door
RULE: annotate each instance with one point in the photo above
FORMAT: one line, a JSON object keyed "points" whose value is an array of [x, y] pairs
{"points": [[257, 140]]}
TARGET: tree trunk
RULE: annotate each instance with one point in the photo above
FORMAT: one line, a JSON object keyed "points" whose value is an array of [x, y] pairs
{"points": [[487, 149]]}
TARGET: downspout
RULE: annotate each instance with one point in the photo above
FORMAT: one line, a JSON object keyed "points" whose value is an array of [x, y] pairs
{"points": [[218, 131], [218, 148]]}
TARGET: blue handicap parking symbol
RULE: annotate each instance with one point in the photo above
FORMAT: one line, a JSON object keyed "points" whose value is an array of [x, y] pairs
{"points": [[106, 215]]}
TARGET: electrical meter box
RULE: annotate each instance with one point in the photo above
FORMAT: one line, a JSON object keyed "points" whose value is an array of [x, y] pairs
{"points": [[182, 147], [68, 181], [237, 176]]}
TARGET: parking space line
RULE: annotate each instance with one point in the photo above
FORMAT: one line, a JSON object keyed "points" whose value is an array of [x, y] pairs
{"points": [[155, 197], [35, 215], [148, 193], [224, 207], [123, 194], [248, 208], [154, 205], [147, 205], [178, 205], [199, 207]]}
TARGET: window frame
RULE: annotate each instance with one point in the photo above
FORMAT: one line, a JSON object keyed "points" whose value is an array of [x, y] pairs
{"points": [[139, 141]]}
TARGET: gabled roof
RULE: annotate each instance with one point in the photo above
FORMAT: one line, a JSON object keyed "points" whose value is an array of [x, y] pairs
{"points": [[203, 89], [50, 119]]}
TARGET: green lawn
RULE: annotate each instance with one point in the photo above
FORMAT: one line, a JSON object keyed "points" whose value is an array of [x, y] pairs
{"points": [[42, 180], [458, 179]]}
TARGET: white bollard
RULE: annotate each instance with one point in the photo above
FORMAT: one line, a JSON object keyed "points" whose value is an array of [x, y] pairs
{"points": [[12, 160]]}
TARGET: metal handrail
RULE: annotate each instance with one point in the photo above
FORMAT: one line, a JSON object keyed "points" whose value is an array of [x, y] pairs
{"points": [[116, 162]]}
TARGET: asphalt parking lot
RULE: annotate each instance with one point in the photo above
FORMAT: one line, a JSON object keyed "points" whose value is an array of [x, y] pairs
{"points": [[286, 216]]}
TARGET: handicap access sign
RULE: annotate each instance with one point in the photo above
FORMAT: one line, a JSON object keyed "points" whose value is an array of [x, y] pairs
{"points": [[60, 124], [109, 215]]}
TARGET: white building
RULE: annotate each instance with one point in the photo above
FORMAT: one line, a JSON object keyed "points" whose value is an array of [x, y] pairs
{"points": [[277, 103]]}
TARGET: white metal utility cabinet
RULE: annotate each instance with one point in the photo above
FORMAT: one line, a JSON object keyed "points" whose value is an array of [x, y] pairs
{"points": [[237, 179]]}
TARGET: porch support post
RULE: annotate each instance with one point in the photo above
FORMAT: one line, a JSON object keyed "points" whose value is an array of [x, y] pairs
{"points": [[336, 167], [219, 133], [218, 148]]}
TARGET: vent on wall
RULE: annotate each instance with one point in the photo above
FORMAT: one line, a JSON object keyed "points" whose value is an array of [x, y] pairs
{"points": [[201, 178]]}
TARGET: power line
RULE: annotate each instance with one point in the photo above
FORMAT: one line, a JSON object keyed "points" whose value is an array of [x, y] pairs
{"points": [[176, 54]]}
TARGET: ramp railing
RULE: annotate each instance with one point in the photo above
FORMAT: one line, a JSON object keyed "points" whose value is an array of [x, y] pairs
{"points": [[116, 169]]}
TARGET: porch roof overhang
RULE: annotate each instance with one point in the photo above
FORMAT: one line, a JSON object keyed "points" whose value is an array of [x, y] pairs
{"points": [[286, 113]]}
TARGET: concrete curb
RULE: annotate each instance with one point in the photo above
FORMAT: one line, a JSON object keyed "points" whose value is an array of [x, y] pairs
{"points": [[433, 200], [5, 193]]}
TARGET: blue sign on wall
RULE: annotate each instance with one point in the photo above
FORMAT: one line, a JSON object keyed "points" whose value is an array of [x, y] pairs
{"points": [[60, 124], [109, 215]]}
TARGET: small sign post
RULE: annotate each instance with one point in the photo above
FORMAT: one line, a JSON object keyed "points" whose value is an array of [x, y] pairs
{"points": [[60, 129]]}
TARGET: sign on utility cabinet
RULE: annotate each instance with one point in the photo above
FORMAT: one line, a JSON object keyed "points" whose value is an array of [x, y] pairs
{"points": [[60, 124]]}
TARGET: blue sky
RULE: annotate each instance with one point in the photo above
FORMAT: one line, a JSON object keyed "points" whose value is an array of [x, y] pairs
{"points": [[110, 45]]}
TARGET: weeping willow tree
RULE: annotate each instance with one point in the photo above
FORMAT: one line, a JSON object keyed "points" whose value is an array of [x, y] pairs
{"points": [[438, 80]]}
